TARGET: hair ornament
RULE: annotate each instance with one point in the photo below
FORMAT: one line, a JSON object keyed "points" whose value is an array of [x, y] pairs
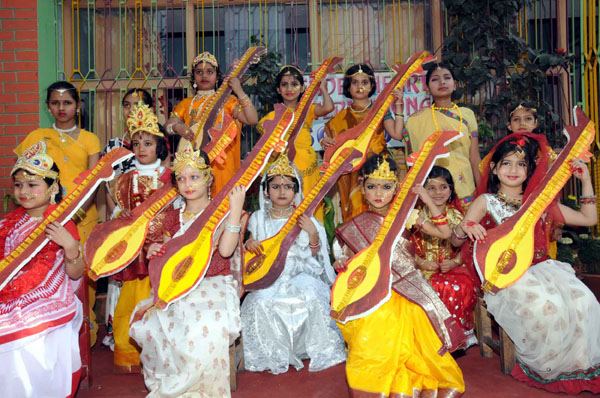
{"points": [[142, 119], [520, 143], [383, 171], [282, 167], [288, 67], [521, 106], [205, 57], [360, 71], [188, 157], [36, 161]]}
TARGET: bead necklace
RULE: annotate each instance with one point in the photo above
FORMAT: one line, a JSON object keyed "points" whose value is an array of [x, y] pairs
{"points": [[512, 202], [281, 213], [366, 108], [439, 108]]}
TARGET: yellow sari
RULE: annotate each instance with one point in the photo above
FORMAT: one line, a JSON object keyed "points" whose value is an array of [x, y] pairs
{"points": [[190, 110], [348, 185], [393, 351], [421, 125], [306, 157]]}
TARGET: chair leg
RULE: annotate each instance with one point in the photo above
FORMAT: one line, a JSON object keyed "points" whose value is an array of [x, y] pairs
{"points": [[507, 353], [232, 369], [484, 329]]}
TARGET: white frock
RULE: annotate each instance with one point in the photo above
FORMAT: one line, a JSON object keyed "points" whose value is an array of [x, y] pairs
{"points": [[551, 316], [289, 321]]}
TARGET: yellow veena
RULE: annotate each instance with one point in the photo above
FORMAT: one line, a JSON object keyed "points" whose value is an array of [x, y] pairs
{"points": [[366, 283], [187, 257], [112, 245], [508, 250], [102, 171]]}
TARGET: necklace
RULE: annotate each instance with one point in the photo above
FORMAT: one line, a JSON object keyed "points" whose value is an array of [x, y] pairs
{"points": [[453, 107], [68, 132], [191, 214], [514, 203], [37, 218], [383, 211], [281, 213], [363, 109]]}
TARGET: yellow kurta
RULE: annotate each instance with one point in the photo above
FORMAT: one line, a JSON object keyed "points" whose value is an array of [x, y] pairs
{"points": [[348, 185], [71, 157], [190, 111], [394, 351], [421, 125], [306, 157]]}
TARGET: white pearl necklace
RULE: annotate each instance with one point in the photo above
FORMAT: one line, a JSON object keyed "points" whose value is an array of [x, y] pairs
{"points": [[64, 131]]}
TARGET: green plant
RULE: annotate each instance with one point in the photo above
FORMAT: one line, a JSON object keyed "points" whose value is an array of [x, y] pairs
{"points": [[7, 199], [498, 68], [589, 247], [261, 84]]}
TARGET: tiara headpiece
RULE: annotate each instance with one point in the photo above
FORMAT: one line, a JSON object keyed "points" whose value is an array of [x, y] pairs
{"points": [[36, 161], [383, 171], [282, 167], [360, 71], [521, 106], [288, 67], [205, 57], [186, 156], [142, 118]]}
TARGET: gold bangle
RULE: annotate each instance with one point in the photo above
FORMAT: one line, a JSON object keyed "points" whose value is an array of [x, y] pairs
{"points": [[76, 259]]}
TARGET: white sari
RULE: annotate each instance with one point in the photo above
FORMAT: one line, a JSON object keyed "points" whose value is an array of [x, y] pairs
{"points": [[551, 316], [185, 349]]}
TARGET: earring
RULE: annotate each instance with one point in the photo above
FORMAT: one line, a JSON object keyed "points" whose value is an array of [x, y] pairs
{"points": [[53, 199], [195, 86], [77, 112], [49, 111]]}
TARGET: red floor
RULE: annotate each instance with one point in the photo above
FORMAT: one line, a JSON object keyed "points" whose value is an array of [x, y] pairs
{"points": [[482, 377]]}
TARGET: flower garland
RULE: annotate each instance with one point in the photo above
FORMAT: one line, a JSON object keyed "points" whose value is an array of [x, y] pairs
{"points": [[36, 270], [137, 196]]}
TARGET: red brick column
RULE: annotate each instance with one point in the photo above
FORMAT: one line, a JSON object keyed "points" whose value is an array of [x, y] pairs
{"points": [[19, 88]]}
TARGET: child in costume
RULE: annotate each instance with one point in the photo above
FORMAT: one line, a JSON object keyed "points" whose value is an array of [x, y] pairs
{"points": [[206, 79], [290, 87], [443, 114], [395, 349], [74, 150], [40, 315], [550, 315], [130, 99], [359, 85], [185, 348], [289, 321], [435, 256], [128, 191]]}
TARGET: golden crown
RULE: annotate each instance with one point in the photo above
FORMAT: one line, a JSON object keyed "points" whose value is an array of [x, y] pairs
{"points": [[36, 161], [186, 156], [383, 171], [282, 167], [521, 106], [205, 57], [142, 119]]}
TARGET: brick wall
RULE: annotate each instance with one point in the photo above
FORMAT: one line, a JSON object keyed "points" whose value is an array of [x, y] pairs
{"points": [[19, 87]]}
